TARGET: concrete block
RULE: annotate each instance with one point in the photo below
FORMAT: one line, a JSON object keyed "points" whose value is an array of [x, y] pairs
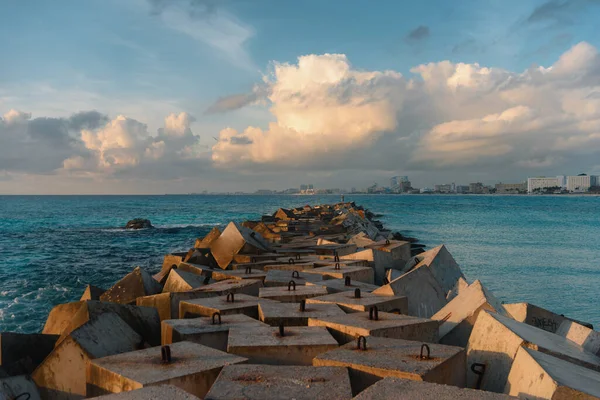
{"points": [[207, 331], [347, 328], [18, 388], [343, 285], [536, 316], [425, 295], [135, 284], [21, 353], [298, 345], [278, 382], [389, 254], [242, 286], [350, 303], [62, 376], [167, 304], [290, 314], [404, 389], [253, 257], [182, 281], [536, 375], [170, 261], [397, 358], [461, 285], [145, 321], [193, 368], [291, 293], [296, 266], [443, 266], [224, 305], [92, 292], [161, 392], [459, 315], [587, 338], [496, 339], [236, 239], [59, 318], [207, 240], [276, 278], [361, 274], [335, 248], [247, 273], [361, 240], [197, 269]]}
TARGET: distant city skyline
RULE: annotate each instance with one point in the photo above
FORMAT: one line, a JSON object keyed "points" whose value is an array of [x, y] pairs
{"points": [[148, 96]]}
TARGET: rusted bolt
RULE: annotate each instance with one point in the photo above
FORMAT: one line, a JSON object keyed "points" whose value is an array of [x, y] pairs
{"points": [[387, 241], [303, 305], [230, 295], [206, 280], [292, 284], [165, 354], [248, 270], [374, 313], [291, 261], [298, 256], [217, 314], [296, 274], [252, 234], [364, 343], [423, 347], [479, 372], [337, 266], [347, 281], [336, 257], [281, 330], [357, 293]]}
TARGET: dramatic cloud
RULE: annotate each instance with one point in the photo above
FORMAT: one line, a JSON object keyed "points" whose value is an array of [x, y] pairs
{"points": [[329, 115], [331, 121], [90, 144], [419, 33], [240, 100]]}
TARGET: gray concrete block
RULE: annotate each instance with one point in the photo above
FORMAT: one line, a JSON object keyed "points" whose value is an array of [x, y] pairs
{"points": [[136, 284], [281, 382]]}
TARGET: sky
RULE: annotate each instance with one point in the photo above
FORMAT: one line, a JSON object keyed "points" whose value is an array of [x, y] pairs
{"points": [[182, 96]]}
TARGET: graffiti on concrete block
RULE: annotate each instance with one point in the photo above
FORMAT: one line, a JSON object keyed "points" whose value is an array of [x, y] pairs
{"points": [[546, 324]]}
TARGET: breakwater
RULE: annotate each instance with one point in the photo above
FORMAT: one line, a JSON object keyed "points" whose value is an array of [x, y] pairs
{"points": [[325, 286]]}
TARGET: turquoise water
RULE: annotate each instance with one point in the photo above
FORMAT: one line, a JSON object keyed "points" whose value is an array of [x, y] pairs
{"points": [[540, 249]]}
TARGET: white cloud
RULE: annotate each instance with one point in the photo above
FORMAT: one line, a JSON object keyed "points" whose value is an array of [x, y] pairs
{"points": [[330, 115]]}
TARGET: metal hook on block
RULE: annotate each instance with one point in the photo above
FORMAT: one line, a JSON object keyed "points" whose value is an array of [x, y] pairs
{"points": [[479, 372], [296, 274], [374, 313], [428, 356], [291, 261], [364, 343], [217, 314], [357, 293], [302, 305], [230, 295], [165, 354], [281, 329], [248, 270], [292, 284], [337, 266], [347, 281]]}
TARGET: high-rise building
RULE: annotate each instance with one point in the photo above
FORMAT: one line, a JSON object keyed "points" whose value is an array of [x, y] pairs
{"points": [[462, 189], [581, 183], [541, 183], [476, 188], [303, 187], [515, 188], [394, 182], [310, 187]]}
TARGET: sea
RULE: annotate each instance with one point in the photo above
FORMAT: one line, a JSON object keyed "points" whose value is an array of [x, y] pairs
{"points": [[544, 250]]}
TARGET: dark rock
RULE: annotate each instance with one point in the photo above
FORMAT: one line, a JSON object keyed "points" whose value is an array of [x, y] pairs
{"points": [[139, 223]]}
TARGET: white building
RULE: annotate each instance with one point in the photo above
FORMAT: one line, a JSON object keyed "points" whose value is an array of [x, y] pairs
{"points": [[542, 183], [581, 183], [563, 181]]}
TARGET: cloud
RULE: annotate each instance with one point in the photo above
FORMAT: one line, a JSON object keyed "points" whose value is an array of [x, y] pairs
{"points": [[91, 144], [207, 22], [234, 102], [559, 12], [419, 33], [448, 116]]}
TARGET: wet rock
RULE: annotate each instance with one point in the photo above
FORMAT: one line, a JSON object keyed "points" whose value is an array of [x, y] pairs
{"points": [[138, 223]]}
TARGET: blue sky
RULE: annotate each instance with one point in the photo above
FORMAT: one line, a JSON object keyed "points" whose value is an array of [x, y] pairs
{"points": [[146, 59]]}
